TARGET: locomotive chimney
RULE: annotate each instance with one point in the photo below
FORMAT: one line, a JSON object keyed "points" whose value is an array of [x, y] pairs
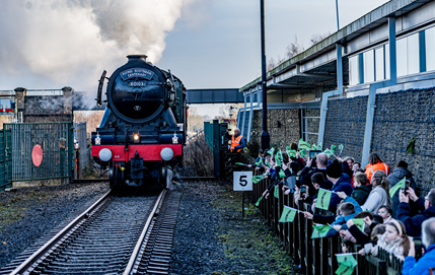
{"points": [[137, 57]]}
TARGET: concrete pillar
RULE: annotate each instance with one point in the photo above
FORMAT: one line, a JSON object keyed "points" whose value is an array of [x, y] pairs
{"points": [[20, 94]]}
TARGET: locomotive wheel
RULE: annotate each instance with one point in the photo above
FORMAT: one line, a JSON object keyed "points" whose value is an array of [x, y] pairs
{"points": [[112, 176]]}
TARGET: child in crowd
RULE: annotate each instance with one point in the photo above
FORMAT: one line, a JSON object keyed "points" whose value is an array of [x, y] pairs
{"points": [[347, 212], [386, 213], [362, 190], [394, 240]]}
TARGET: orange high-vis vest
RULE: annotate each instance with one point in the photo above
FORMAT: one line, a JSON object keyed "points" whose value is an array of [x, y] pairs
{"points": [[236, 142], [371, 169]]}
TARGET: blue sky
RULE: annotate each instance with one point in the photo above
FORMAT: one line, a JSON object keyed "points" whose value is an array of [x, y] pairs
{"points": [[212, 44], [221, 49]]}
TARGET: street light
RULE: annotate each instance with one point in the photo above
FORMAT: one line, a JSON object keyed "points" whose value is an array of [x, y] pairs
{"points": [[265, 137]]}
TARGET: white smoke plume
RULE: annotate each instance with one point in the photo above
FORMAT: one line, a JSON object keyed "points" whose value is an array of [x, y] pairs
{"points": [[71, 42]]}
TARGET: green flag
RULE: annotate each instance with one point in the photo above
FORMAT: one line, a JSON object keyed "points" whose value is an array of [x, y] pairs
{"points": [[399, 185], [346, 259], [344, 270], [271, 151], [258, 163], [328, 153], [303, 145], [333, 149], [319, 147], [258, 202], [267, 164], [313, 146], [359, 223], [303, 153], [288, 214], [240, 164], [323, 199], [291, 153], [281, 174], [340, 148], [278, 158], [276, 192], [257, 179], [323, 231]]}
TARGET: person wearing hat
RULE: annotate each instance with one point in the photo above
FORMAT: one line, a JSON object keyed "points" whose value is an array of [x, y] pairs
{"points": [[340, 181]]}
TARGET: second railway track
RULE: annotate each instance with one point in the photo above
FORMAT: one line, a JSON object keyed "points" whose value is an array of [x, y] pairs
{"points": [[113, 236]]}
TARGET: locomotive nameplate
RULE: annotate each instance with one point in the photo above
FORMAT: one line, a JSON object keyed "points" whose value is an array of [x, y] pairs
{"points": [[136, 73]]}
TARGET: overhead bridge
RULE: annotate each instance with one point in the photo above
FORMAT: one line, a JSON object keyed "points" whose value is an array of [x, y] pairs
{"points": [[213, 96]]}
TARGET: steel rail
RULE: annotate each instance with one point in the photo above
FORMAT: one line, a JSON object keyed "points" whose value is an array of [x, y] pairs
{"points": [[35, 257], [140, 241]]}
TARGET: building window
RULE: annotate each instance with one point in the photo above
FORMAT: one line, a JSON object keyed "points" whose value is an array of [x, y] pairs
{"points": [[430, 49], [408, 55], [387, 61], [369, 67], [254, 99], [379, 60], [354, 70], [248, 101]]}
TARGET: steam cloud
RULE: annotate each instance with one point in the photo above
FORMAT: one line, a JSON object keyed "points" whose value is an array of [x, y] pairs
{"points": [[71, 42]]}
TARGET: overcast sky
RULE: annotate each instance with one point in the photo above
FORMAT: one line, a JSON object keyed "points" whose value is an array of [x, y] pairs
{"points": [[208, 43]]}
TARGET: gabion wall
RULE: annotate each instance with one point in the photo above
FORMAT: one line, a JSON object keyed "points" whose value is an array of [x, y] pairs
{"points": [[280, 137], [345, 124], [313, 124], [399, 117]]}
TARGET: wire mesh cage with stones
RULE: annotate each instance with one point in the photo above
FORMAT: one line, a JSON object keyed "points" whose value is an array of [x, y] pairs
{"points": [[345, 124]]}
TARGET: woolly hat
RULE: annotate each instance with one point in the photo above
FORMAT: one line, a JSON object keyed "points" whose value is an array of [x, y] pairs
{"points": [[334, 170]]}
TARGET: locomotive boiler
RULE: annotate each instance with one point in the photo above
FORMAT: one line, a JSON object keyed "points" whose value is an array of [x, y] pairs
{"points": [[142, 132]]}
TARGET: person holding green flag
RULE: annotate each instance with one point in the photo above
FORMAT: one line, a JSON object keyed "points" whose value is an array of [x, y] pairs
{"points": [[259, 161]]}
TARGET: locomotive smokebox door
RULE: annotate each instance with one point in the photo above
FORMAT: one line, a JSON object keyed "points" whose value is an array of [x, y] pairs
{"points": [[136, 167]]}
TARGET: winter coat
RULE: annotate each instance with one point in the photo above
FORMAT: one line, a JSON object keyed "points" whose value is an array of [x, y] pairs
{"points": [[360, 194], [342, 185], [413, 223], [410, 266], [392, 247], [397, 175], [377, 197]]}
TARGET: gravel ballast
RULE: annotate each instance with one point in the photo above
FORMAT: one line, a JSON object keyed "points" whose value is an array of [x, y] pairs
{"points": [[212, 238], [29, 213]]}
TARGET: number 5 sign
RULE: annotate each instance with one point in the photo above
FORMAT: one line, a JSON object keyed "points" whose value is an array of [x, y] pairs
{"points": [[242, 181]]}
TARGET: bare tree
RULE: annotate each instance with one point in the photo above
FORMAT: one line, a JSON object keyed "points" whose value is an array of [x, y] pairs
{"points": [[293, 49], [316, 38]]}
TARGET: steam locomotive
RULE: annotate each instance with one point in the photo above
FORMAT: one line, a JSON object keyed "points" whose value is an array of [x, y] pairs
{"points": [[142, 132]]}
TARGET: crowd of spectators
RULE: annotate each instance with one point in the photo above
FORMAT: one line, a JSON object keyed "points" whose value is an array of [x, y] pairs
{"points": [[400, 222]]}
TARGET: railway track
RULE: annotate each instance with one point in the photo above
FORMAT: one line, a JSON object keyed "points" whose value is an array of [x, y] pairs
{"points": [[118, 234]]}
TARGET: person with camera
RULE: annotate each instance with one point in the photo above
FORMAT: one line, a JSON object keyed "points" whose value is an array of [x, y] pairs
{"points": [[401, 171], [427, 262], [237, 141], [427, 205]]}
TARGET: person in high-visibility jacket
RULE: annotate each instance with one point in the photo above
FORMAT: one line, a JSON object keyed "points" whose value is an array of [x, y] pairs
{"points": [[375, 164], [237, 141]]}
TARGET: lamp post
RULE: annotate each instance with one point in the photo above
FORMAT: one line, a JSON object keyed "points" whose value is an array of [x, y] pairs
{"points": [[338, 19], [265, 137]]}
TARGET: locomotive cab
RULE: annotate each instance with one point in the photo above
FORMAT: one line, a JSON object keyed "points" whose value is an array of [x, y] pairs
{"points": [[142, 132]]}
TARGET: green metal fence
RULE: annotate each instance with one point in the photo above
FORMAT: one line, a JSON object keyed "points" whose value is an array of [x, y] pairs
{"points": [[56, 141], [5, 160], [215, 137]]}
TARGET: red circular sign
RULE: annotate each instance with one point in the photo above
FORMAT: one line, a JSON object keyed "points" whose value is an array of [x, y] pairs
{"points": [[37, 155]]}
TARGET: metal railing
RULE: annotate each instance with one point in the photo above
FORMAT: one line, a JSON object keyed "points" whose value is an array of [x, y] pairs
{"points": [[315, 256], [56, 142]]}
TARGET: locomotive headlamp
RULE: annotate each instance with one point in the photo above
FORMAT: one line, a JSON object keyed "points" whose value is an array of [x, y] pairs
{"points": [[136, 138], [98, 140], [105, 154], [167, 154]]}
